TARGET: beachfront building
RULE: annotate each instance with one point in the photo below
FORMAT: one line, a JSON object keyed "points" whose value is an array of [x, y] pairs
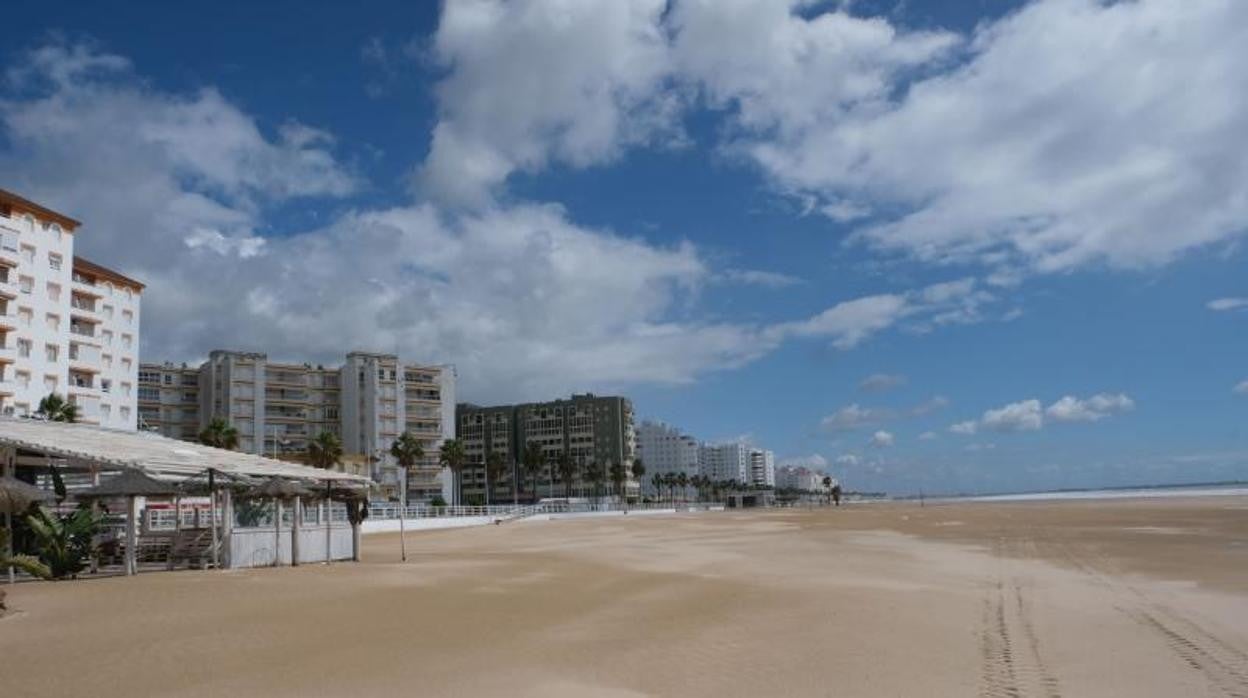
{"points": [[279, 407], [726, 462], [799, 478], [762, 468], [665, 450], [67, 325], [590, 429]]}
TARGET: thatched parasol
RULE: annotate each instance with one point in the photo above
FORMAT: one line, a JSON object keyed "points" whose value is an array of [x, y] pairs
{"points": [[130, 483], [280, 488], [17, 496]]}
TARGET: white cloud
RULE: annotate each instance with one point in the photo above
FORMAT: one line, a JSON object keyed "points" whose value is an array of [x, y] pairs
{"points": [[1095, 408], [848, 460], [966, 428], [1241, 388], [1026, 415], [754, 277], [533, 82], [854, 416], [928, 436], [882, 439], [933, 404], [1122, 144], [1222, 304], [881, 382]]}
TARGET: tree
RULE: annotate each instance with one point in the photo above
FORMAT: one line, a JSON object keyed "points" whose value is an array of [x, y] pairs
{"points": [[827, 489], [657, 481], [219, 434], [64, 542], [55, 408], [639, 470], [407, 451], [619, 475], [452, 456], [325, 450], [27, 563], [596, 474], [532, 460], [682, 481], [495, 466], [567, 468]]}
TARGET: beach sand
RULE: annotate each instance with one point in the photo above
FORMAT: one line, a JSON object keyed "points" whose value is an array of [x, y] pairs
{"points": [[1118, 598]]}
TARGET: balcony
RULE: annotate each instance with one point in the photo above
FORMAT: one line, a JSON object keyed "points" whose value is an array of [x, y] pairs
{"points": [[82, 329], [84, 307], [285, 396], [88, 405], [84, 355], [8, 246], [8, 316], [8, 355], [8, 386]]}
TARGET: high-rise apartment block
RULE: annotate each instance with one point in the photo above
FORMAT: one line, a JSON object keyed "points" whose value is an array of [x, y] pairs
{"points": [[799, 478], [590, 429], [762, 468], [725, 462], [278, 408], [665, 450], [67, 325]]}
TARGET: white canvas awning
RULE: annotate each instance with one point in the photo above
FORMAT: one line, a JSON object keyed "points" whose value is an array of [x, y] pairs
{"points": [[156, 455]]}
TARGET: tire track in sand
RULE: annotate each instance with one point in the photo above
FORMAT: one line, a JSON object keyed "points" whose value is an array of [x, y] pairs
{"points": [[1013, 665]]}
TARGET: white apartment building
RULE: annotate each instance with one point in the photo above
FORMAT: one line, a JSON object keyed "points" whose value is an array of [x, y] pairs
{"points": [[762, 468], [278, 408], [664, 449], [729, 461], [799, 478], [67, 325]]}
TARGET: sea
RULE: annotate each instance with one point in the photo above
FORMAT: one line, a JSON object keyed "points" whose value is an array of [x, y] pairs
{"points": [[1218, 490]]}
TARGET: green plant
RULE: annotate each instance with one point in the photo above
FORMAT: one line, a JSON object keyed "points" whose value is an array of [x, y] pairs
{"points": [[248, 513], [407, 451], [437, 501], [495, 467], [324, 450], [619, 475], [453, 456], [65, 542], [532, 461], [219, 434], [55, 408], [27, 563], [568, 471]]}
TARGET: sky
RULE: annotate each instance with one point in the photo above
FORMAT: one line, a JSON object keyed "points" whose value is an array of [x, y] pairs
{"points": [[922, 246]]}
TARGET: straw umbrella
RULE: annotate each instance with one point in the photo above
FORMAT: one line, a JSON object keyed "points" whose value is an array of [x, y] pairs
{"points": [[351, 495], [131, 484], [278, 489], [15, 497]]}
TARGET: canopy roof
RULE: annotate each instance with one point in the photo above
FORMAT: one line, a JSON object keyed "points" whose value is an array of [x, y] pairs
{"points": [[130, 482], [16, 495], [155, 455]]}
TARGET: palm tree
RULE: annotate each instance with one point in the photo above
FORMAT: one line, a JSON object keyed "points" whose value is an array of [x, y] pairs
{"points": [[27, 563], [827, 489], [596, 474], [407, 451], [657, 481], [495, 466], [567, 469], [619, 475], [452, 456], [639, 470], [533, 459], [65, 542], [55, 408], [325, 450], [219, 434], [682, 481]]}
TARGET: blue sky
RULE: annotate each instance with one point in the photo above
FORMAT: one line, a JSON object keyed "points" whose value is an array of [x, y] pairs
{"points": [[1026, 220]]}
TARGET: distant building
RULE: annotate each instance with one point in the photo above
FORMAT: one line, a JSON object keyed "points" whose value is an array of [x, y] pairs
{"points": [[591, 429], [762, 468], [725, 462], [799, 478], [67, 325], [665, 450], [279, 407]]}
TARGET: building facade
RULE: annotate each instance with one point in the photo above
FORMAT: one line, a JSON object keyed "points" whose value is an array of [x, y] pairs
{"points": [[278, 408], [725, 462], [762, 468], [67, 325], [591, 429], [799, 478], [665, 450]]}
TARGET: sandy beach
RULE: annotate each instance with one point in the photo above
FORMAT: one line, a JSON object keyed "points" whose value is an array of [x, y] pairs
{"points": [[1126, 598]]}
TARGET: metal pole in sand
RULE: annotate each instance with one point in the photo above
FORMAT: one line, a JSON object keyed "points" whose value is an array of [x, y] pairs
{"points": [[403, 515]]}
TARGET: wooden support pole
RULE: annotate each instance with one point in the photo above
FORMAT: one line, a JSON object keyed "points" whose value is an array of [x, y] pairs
{"points": [[328, 520], [227, 527], [132, 520], [212, 512], [294, 533]]}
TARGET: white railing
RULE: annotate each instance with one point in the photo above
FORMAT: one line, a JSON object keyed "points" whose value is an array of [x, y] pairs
{"points": [[507, 512]]}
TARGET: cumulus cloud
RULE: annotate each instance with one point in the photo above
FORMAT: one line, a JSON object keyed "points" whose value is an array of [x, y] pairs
{"points": [[881, 382], [1026, 415], [854, 416], [847, 460], [755, 277], [933, 404], [1095, 408], [965, 428], [813, 461], [882, 439], [1241, 388], [1223, 304]]}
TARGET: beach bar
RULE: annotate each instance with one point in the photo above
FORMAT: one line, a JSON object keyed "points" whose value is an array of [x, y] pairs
{"points": [[170, 502]]}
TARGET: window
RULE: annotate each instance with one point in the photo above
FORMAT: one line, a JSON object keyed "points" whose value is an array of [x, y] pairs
{"points": [[126, 364], [128, 316], [107, 359], [144, 376], [53, 321], [49, 383], [25, 316], [23, 378], [27, 284], [125, 414], [168, 379], [107, 337], [50, 352], [105, 412], [54, 261], [54, 291], [23, 348], [106, 385], [126, 340], [149, 393], [108, 311], [125, 389], [28, 253]]}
